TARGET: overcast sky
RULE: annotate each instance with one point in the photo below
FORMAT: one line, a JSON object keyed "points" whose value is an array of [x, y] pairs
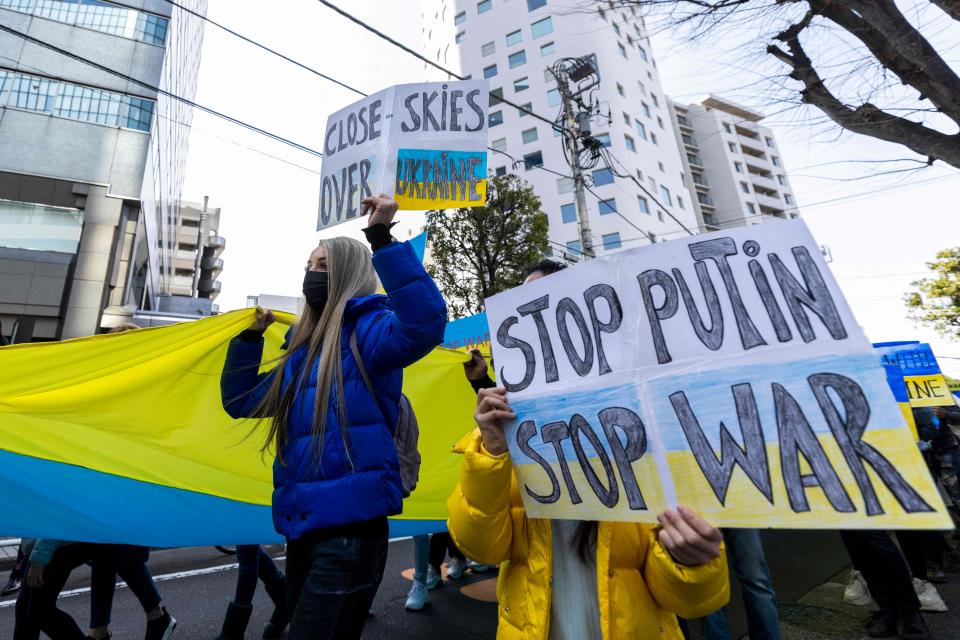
{"points": [[880, 231]]}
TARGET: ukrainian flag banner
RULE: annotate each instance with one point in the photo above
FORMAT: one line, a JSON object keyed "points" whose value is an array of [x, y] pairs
{"points": [[122, 438]]}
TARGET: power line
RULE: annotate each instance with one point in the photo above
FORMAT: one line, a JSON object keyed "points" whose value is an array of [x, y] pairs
{"points": [[423, 58], [265, 47], [158, 90]]}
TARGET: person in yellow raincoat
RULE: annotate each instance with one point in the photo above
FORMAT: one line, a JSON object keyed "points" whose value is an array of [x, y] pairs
{"points": [[574, 580]]}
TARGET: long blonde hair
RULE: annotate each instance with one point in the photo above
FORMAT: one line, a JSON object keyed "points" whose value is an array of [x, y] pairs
{"points": [[351, 274]]}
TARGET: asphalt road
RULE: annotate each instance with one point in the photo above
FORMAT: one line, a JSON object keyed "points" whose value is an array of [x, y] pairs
{"points": [[196, 585]]}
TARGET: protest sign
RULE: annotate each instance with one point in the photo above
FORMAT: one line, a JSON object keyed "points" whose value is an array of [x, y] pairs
{"points": [[899, 389], [724, 372], [423, 144], [926, 384]]}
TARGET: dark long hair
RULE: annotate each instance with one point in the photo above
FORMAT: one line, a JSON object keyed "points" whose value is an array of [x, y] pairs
{"points": [[585, 539]]}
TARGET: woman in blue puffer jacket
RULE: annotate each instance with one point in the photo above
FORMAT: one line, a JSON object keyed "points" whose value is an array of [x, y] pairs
{"points": [[336, 476]]}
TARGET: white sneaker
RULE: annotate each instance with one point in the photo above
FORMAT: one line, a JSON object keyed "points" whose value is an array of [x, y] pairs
{"points": [[856, 592], [455, 568], [418, 597], [930, 599], [479, 567], [433, 578]]}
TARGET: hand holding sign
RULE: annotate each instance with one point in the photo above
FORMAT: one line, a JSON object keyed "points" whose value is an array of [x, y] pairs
{"points": [[381, 208], [492, 409], [690, 539]]}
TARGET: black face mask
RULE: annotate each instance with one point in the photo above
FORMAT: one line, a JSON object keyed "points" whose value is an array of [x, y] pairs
{"points": [[316, 288]]}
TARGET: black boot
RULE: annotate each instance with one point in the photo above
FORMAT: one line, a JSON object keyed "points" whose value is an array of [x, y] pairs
{"points": [[277, 591], [882, 624], [913, 626], [235, 623]]}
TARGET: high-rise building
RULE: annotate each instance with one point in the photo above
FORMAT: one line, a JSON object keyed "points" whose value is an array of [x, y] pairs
{"points": [[197, 262], [735, 169], [514, 43], [91, 164]]}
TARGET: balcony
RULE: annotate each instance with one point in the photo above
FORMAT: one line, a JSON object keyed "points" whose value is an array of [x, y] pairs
{"points": [[217, 243], [763, 182], [770, 205], [212, 263], [209, 285], [695, 161], [751, 143], [760, 165]]}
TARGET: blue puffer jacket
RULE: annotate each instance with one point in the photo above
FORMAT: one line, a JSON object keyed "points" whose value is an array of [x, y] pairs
{"points": [[393, 331]]}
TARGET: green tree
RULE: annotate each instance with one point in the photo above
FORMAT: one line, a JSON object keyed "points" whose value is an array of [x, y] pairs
{"points": [[936, 301], [480, 251]]}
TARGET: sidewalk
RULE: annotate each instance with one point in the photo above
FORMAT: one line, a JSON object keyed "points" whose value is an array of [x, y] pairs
{"points": [[822, 614]]}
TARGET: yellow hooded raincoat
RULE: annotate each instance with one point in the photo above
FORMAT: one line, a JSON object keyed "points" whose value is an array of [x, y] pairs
{"points": [[641, 589]]}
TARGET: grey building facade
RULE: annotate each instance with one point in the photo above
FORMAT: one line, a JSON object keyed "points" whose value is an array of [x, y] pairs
{"points": [[91, 164]]}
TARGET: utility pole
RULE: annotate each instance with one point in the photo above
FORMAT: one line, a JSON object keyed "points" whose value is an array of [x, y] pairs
{"points": [[572, 140]]}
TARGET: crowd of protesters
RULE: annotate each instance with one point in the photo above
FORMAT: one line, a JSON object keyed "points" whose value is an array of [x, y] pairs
{"points": [[328, 408]]}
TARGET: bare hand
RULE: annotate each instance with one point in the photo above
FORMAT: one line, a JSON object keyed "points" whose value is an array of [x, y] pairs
{"points": [[35, 576], [381, 208], [940, 412], [263, 320], [690, 539], [492, 407], [476, 368]]}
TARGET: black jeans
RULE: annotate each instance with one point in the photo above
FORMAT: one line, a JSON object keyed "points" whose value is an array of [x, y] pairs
{"points": [[129, 562], [884, 569], [440, 545], [36, 609], [332, 578], [254, 564]]}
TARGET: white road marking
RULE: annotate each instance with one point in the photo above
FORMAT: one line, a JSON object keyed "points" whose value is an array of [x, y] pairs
{"points": [[162, 578]]}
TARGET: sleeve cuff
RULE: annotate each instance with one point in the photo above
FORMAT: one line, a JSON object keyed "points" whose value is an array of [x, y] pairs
{"points": [[379, 235], [485, 382], [251, 336]]}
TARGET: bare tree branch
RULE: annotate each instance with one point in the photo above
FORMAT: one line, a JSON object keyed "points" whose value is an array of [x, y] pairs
{"points": [[866, 119]]}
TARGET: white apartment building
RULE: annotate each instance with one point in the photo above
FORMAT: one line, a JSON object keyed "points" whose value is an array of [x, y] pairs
{"points": [[735, 169], [513, 43]]}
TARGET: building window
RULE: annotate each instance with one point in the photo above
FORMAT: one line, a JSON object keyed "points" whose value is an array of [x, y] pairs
{"points": [[653, 138], [769, 141], [608, 206], [622, 50], [496, 96], [500, 144], [548, 75], [660, 122], [529, 135], [564, 185], [547, 49], [527, 108], [660, 166], [643, 53], [568, 213], [643, 88], [460, 36], [732, 146], [611, 241], [738, 167], [532, 160], [616, 28], [488, 49], [603, 14], [541, 28], [751, 208], [665, 194], [500, 171], [644, 207], [514, 37], [521, 84], [680, 202], [517, 59], [533, 5], [653, 183], [726, 127], [602, 177], [641, 130], [483, 7], [495, 118], [626, 118], [775, 160], [788, 198], [78, 102], [603, 139], [656, 101], [631, 145], [646, 109], [660, 215], [744, 187], [489, 72], [620, 90], [574, 247], [553, 97], [781, 180], [99, 16], [460, 17]]}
